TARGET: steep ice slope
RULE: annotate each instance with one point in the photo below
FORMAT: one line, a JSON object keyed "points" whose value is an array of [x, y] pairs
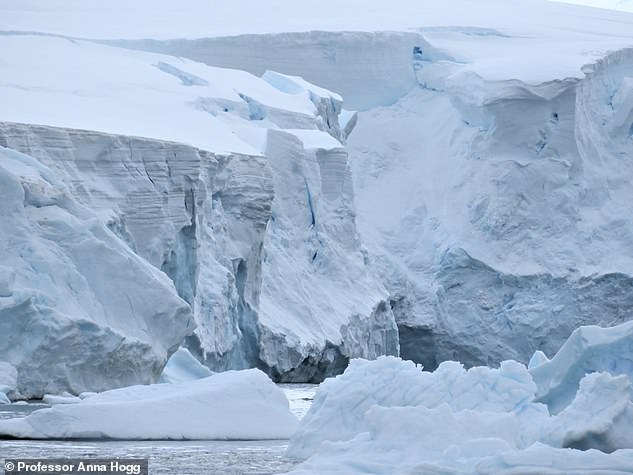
{"points": [[249, 210], [79, 310]]}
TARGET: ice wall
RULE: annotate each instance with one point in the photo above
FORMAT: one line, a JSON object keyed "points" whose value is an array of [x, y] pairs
{"points": [[489, 170], [262, 246], [366, 68], [79, 310], [491, 192]]}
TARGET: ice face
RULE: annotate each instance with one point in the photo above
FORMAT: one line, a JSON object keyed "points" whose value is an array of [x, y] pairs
{"points": [[250, 213], [66, 308], [486, 162]]}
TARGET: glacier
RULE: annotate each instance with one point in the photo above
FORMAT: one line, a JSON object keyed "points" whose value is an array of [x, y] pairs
{"points": [[244, 211], [487, 158], [478, 211], [73, 290]]}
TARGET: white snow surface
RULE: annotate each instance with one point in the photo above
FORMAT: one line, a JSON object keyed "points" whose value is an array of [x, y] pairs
{"points": [[242, 405], [348, 52], [183, 366], [388, 416], [82, 85], [620, 5]]}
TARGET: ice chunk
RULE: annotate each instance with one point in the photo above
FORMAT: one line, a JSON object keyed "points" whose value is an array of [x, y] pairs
{"points": [[347, 120], [599, 417], [64, 398], [232, 405], [587, 350], [4, 399], [399, 428], [537, 358], [183, 366], [340, 404]]}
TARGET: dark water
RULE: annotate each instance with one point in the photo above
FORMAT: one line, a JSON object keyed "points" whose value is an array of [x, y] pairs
{"points": [[171, 457]]}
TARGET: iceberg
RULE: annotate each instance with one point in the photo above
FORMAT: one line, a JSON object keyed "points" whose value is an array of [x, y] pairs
{"points": [[339, 410], [388, 416], [242, 405], [588, 349]]}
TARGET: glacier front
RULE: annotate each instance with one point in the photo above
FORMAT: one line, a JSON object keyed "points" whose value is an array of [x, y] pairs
{"points": [[478, 211], [237, 188]]}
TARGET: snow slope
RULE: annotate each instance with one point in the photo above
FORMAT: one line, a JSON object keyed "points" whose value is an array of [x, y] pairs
{"points": [[240, 405]]}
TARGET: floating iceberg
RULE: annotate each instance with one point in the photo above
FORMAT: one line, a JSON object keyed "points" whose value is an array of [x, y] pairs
{"points": [[340, 405], [588, 349], [232, 405], [387, 416]]}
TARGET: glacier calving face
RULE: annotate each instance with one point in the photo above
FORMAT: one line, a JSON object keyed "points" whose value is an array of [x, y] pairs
{"points": [[488, 166], [490, 178], [249, 212], [79, 309]]}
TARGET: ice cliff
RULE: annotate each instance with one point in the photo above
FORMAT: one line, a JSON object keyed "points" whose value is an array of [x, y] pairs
{"points": [[246, 208], [487, 174], [489, 159]]}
